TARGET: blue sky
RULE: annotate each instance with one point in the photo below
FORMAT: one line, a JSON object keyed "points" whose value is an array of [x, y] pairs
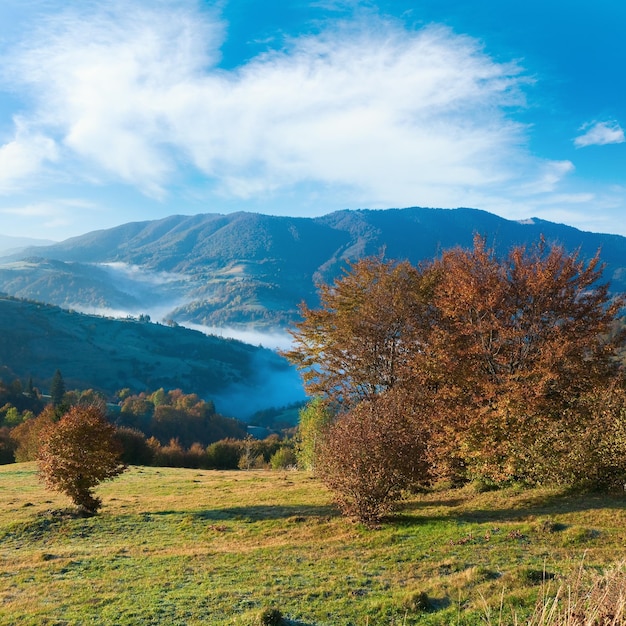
{"points": [[113, 112]]}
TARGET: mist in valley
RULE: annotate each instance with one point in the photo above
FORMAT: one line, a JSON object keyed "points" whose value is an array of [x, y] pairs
{"points": [[270, 388], [156, 295]]}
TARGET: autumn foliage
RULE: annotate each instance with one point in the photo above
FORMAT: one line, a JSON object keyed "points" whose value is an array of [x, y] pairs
{"points": [[507, 367], [521, 343], [373, 453], [361, 341], [78, 453]]}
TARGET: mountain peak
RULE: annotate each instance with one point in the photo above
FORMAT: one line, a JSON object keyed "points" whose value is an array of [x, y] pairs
{"points": [[252, 270]]}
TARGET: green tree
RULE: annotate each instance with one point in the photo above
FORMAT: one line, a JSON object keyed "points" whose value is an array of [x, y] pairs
{"points": [[79, 452], [315, 418], [57, 389], [30, 389], [283, 458], [12, 417], [159, 397]]}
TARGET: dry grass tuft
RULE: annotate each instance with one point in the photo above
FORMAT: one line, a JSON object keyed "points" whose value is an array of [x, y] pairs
{"points": [[588, 599]]}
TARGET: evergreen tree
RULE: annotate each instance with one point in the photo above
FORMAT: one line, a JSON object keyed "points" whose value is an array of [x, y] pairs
{"points": [[57, 389]]}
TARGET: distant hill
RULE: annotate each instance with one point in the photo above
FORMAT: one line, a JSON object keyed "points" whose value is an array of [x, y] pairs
{"points": [[13, 245], [108, 355], [251, 270]]}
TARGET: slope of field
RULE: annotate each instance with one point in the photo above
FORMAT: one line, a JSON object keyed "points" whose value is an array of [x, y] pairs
{"points": [[193, 547]]}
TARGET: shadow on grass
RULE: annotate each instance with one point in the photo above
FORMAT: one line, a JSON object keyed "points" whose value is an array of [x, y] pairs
{"points": [[257, 513], [526, 504], [46, 523]]}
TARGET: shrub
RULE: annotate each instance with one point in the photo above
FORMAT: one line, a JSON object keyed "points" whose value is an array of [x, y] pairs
{"points": [[417, 602], [223, 454], [28, 435], [256, 453], [79, 452], [250, 455], [7, 446], [171, 455], [283, 458], [135, 447], [370, 455], [270, 616], [196, 456]]}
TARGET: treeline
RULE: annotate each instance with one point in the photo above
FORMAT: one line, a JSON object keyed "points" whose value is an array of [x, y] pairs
{"points": [[17, 404], [164, 428], [226, 454], [173, 414], [467, 368]]}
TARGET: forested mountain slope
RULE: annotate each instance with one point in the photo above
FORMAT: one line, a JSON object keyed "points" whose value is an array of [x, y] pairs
{"points": [[246, 269], [108, 355]]}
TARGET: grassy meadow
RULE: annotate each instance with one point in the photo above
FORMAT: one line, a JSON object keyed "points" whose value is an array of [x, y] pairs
{"points": [[191, 547]]}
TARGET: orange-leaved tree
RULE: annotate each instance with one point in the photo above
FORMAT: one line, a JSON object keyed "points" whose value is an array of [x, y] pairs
{"points": [[521, 343], [28, 434], [79, 452], [508, 363], [358, 343], [362, 433]]}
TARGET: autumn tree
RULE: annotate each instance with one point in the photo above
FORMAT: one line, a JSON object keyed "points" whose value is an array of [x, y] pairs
{"points": [[520, 343], [78, 453], [28, 435], [371, 454], [174, 414], [369, 324], [504, 361]]}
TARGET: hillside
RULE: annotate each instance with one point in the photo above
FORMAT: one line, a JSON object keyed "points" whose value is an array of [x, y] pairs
{"points": [[221, 546], [14, 245], [108, 354], [245, 269]]}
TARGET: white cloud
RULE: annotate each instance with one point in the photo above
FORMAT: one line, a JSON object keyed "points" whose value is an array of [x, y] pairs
{"points": [[548, 176], [384, 112], [100, 79], [272, 340], [381, 114], [366, 113], [51, 217], [600, 134], [24, 156]]}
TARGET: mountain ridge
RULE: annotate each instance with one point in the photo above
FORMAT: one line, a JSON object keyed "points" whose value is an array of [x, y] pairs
{"points": [[252, 270], [15, 245]]}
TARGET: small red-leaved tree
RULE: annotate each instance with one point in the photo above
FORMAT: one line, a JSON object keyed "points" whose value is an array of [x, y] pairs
{"points": [[370, 455], [79, 452]]}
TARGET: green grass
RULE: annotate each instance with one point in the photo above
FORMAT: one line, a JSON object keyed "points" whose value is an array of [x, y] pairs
{"points": [[190, 547]]}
